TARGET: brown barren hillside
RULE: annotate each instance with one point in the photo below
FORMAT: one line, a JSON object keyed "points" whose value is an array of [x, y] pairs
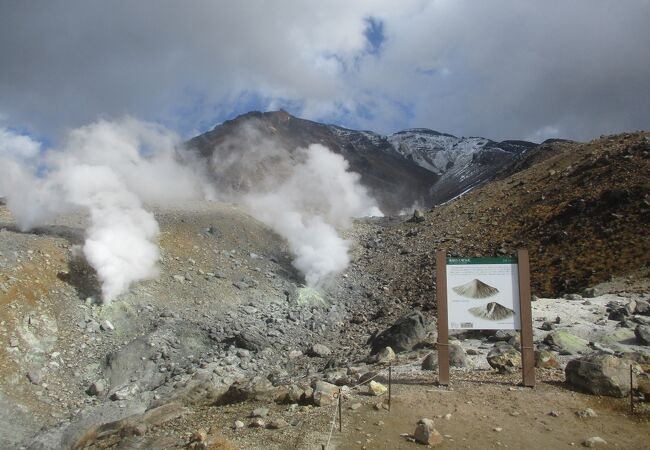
{"points": [[582, 210]]}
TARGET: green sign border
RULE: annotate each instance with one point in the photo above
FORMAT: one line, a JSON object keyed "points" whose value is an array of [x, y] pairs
{"points": [[455, 261]]}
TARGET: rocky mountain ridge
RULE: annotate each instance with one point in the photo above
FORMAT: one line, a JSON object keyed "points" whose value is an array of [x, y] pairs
{"points": [[415, 166]]}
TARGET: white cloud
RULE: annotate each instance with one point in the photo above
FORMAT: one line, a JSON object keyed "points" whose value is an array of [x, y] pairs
{"points": [[502, 69]]}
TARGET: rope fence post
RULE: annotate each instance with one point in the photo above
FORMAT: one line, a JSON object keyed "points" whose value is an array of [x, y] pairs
{"points": [[631, 392], [340, 414], [390, 382]]}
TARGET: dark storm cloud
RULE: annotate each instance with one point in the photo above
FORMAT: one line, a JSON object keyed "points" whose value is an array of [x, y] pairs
{"points": [[501, 69]]}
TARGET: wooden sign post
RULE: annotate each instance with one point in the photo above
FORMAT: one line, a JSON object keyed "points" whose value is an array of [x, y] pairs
{"points": [[488, 293]]}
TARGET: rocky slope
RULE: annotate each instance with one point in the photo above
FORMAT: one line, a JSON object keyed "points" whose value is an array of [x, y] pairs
{"points": [[581, 209], [227, 328]]}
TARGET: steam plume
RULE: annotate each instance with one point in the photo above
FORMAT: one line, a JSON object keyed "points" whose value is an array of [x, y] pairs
{"points": [[108, 168], [319, 195]]}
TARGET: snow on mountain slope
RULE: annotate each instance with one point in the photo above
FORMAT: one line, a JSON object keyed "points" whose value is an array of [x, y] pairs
{"points": [[461, 163]]}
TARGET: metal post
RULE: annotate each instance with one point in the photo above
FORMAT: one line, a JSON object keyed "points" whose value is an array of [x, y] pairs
{"points": [[631, 393], [340, 414], [390, 382]]}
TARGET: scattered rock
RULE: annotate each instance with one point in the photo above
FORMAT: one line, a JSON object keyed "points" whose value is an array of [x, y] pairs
{"points": [[642, 333], [418, 216], [586, 413], [34, 376], [458, 357], [430, 362], [107, 326], [504, 358], [96, 388], [260, 412], [565, 342], [258, 388], [325, 393], [602, 374], [546, 360], [238, 424], [251, 339], [403, 335], [319, 350], [385, 355], [425, 433], [241, 285], [376, 389], [277, 424], [547, 326], [257, 423], [589, 292], [199, 436], [594, 442]]}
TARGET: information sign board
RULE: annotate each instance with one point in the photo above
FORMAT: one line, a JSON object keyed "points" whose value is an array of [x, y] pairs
{"points": [[483, 294]]}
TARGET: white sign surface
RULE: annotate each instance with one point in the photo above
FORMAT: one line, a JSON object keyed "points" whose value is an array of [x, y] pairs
{"points": [[483, 293]]}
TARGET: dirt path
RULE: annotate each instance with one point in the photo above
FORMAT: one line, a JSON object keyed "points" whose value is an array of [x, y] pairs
{"points": [[480, 403]]}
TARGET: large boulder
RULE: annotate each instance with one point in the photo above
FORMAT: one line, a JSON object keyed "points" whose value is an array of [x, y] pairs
{"points": [[258, 388], [325, 393], [642, 333], [602, 374], [403, 335], [504, 358], [546, 360], [252, 339], [458, 356], [566, 343], [430, 362]]}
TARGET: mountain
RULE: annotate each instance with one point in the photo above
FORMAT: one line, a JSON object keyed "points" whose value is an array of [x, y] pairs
{"points": [[395, 181], [581, 209], [461, 163], [416, 166]]}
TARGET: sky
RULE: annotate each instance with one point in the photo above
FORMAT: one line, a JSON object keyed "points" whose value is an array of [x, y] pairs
{"points": [[502, 69]]}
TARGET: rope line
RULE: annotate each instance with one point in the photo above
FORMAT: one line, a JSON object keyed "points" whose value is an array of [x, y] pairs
{"points": [[333, 422]]}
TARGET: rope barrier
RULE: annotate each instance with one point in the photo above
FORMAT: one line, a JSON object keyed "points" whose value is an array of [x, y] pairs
{"points": [[336, 406], [416, 362]]}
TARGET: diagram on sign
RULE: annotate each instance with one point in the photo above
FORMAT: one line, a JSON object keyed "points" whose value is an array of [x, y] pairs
{"points": [[476, 289], [492, 311]]}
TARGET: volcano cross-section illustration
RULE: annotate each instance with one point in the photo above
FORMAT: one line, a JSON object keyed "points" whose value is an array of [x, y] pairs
{"points": [[475, 289], [492, 311]]}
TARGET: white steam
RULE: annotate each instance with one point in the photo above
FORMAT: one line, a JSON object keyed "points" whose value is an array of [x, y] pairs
{"points": [[108, 168], [319, 195], [113, 168]]}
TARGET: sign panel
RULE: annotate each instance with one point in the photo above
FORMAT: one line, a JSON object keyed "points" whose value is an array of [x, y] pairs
{"points": [[483, 294]]}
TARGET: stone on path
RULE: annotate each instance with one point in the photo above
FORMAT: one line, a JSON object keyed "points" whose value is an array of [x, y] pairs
{"points": [[426, 434], [376, 389], [595, 441], [277, 424], [583, 414]]}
